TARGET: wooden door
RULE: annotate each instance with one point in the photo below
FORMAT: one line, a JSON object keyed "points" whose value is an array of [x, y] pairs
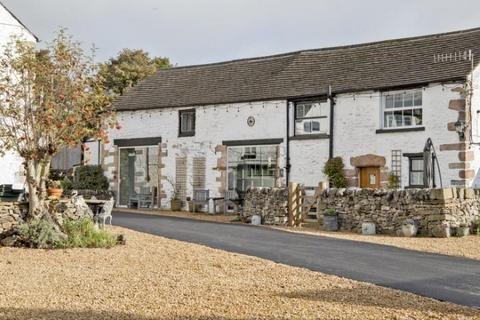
{"points": [[370, 177]]}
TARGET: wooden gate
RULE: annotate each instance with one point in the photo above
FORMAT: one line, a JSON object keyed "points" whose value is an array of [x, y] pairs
{"points": [[301, 202]]}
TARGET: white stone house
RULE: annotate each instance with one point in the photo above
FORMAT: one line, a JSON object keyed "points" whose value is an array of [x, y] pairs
{"points": [[11, 169], [269, 120]]}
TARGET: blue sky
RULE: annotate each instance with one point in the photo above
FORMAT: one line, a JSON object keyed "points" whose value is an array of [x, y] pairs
{"points": [[203, 31]]}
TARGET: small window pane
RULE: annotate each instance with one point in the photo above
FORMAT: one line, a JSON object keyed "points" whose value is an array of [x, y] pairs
{"points": [[416, 178], [389, 101], [307, 126], [417, 115], [314, 110], [418, 98], [417, 165], [397, 115], [315, 126], [407, 117], [408, 99], [388, 121], [398, 100], [299, 111]]}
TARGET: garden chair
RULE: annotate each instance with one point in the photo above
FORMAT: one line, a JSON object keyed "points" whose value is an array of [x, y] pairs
{"points": [[106, 213], [201, 197]]}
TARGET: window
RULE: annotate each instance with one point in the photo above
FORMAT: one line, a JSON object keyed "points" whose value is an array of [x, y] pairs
{"points": [[416, 171], [311, 118], [187, 123], [402, 109], [251, 166]]}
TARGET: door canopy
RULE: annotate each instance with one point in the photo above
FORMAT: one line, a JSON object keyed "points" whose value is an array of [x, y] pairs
{"points": [[368, 160]]}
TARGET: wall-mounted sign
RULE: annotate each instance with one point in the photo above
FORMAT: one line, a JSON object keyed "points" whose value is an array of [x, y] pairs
{"points": [[251, 121]]}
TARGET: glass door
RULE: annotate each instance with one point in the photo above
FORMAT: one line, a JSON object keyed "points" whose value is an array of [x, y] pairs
{"points": [[251, 166], [138, 173]]}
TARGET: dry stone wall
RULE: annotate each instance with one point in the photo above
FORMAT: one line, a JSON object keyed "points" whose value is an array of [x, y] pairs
{"points": [[270, 203], [11, 214], [435, 211]]}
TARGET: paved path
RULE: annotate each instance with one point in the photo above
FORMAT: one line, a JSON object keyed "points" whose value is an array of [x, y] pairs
{"points": [[441, 277]]}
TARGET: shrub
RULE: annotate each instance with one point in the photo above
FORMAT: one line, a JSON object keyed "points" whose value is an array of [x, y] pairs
{"points": [[89, 178], [39, 234], [393, 181], [330, 212], [83, 234], [333, 169]]}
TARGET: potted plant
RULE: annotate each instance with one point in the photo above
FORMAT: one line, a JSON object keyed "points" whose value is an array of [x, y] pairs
{"points": [[409, 228], [330, 219], [175, 201], [54, 189], [463, 230]]}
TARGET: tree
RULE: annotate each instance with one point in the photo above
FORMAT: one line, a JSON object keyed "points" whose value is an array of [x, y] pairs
{"points": [[129, 68], [50, 99]]}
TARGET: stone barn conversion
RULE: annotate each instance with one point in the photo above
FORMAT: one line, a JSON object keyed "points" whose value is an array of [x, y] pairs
{"points": [[262, 122]]}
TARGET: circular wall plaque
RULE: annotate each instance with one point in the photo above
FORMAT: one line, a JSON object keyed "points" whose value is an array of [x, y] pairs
{"points": [[251, 121]]}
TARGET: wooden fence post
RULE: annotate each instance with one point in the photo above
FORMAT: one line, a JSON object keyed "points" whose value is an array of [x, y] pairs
{"points": [[292, 202]]}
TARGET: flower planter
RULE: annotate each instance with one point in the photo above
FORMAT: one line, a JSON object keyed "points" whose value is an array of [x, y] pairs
{"points": [[175, 205], [55, 193], [368, 228], [330, 223], [409, 230]]}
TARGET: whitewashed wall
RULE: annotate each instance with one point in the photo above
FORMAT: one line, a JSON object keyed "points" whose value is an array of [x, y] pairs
{"points": [[214, 124], [475, 116], [11, 164], [356, 122]]}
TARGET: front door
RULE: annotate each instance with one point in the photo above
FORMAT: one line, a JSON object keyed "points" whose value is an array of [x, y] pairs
{"points": [[370, 177]]}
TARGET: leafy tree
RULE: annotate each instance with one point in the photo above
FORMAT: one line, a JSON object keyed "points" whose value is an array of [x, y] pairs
{"points": [[129, 68], [333, 169], [50, 99]]}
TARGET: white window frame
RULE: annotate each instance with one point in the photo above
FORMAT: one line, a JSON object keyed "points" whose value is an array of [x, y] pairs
{"points": [[411, 108], [310, 120]]}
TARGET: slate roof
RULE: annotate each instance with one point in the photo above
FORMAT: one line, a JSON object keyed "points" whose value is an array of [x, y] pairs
{"points": [[377, 65]]}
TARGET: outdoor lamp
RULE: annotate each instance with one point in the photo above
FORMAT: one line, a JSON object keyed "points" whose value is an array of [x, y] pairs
{"points": [[460, 128]]}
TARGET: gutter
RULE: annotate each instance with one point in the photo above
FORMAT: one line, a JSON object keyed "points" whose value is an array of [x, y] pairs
{"points": [[287, 151], [332, 105]]}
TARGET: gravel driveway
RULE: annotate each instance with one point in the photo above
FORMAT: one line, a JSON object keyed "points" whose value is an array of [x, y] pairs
{"points": [[441, 277]]}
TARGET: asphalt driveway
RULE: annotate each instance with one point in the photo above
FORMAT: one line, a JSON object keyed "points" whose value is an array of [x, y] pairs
{"points": [[437, 276]]}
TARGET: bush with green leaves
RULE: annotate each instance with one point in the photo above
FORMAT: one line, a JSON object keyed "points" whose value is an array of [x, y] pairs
{"points": [[89, 178], [83, 234], [393, 181], [39, 234], [333, 169]]}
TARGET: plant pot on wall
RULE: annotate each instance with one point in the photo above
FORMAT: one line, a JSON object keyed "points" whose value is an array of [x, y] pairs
{"points": [[55, 193], [176, 205], [330, 220], [462, 231]]}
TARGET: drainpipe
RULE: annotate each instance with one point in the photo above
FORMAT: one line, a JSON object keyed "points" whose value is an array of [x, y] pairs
{"points": [[287, 142], [332, 105]]}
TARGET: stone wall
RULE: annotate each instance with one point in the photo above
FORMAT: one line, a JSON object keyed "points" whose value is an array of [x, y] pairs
{"points": [[270, 203], [435, 211], [11, 214]]}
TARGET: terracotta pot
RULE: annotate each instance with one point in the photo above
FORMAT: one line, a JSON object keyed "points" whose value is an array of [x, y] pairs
{"points": [[55, 193]]}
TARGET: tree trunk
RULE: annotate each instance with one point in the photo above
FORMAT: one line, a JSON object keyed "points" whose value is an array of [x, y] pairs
{"points": [[37, 175]]}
